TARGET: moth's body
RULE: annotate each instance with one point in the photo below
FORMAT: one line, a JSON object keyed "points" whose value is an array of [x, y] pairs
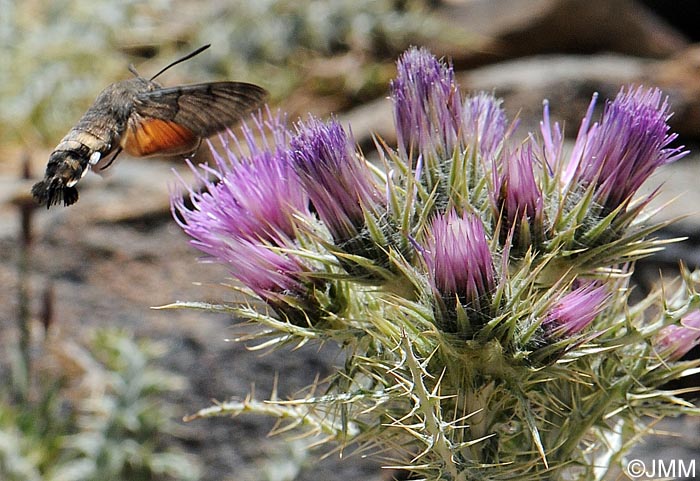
{"points": [[142, 118], [94, 137]]}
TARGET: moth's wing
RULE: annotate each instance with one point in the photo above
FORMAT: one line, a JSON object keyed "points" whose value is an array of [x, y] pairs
{"points": [[203, 109], [169, 121], [146, 136]]}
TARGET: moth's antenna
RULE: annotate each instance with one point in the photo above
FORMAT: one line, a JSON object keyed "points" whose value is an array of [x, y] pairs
{"points": [[180, 60]]}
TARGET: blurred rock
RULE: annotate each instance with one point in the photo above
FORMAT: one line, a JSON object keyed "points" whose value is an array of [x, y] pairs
{"points": [[679, 77], [373, 118], [682, 14], [505, 29]]}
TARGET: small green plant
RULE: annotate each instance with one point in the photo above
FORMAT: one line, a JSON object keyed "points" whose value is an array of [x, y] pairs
{"points": [[107, 426], [477, 283]]}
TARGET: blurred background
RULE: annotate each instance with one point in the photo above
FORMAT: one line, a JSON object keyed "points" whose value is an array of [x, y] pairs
{"points": [[95, 382]]}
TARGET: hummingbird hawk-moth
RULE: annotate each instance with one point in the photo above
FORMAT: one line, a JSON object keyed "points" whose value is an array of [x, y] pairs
{"points": [[142, 118]]}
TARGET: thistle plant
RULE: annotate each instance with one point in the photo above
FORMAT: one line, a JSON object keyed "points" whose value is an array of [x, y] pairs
{"points": [[479, 284]]}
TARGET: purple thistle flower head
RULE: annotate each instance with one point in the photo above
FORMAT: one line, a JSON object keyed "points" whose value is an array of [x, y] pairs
{"points": [[263, 268], [245, 214], [338, 182], [621, 151], [427, 105], [575, 311], [254, 198], [459, 262], [519, 198], [484, 124], [674, 342]]}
